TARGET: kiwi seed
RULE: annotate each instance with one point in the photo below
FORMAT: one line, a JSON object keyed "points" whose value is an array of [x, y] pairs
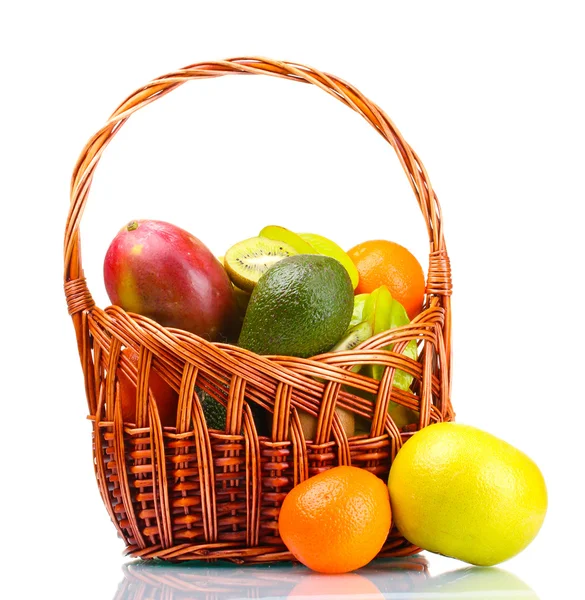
{"points": [[246, 261]]}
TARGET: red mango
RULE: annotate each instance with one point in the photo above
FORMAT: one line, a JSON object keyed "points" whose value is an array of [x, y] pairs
{"points": [[163, 272]]}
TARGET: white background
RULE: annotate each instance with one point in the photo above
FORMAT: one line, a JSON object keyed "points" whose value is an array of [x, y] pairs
{"points": [[488, 94]]}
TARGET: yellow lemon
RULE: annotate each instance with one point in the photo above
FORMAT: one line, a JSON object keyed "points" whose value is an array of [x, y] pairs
{"points": [[462, 492]]}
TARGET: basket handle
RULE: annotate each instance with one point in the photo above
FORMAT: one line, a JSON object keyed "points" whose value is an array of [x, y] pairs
{"points": [[439, 278]]}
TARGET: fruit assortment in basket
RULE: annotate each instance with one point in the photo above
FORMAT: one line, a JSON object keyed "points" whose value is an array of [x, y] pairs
{"points": [[296, 392], [278, 293], [283, 293]]}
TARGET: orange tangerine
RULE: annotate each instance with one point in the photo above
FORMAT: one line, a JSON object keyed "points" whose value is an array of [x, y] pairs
{"points": [[381, 262], [337, 521]]}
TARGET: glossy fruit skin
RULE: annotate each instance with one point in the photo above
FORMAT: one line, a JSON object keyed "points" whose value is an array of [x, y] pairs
{"points": [[167, 399], [301, 307], [462, 492], [312, 243], [161, 271], [382, 262], [328, 247], [282, 234], [337, 521]]}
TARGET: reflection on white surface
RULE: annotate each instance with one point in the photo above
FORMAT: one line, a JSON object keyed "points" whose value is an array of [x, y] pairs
{"points": [[390, 579]]}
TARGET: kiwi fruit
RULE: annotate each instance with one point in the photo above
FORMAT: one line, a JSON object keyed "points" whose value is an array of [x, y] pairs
{"points": [[309, 423], [246, 261], [353, 337]]}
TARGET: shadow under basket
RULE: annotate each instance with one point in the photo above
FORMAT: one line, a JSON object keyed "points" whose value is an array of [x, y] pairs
{"points": [[189, 492]]}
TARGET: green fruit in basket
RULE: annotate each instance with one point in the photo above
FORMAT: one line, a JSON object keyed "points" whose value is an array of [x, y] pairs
{"points": [[215, 412], [402, 416], [378, 309], [385, 313], [299, 307], [309, 423], [462, 492], [379, 312], [353, 337], [359, 301], [242, 298], [327, 247], [249, 259], [161, 271], [282, 234], [312, 243]]}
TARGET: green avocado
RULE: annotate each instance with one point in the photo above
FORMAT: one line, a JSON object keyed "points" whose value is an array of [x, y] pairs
{"points": [[215, 412], [301, 306]]}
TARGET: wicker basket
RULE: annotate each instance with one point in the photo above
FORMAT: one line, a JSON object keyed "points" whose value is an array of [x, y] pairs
{"points": [[187, 492]]}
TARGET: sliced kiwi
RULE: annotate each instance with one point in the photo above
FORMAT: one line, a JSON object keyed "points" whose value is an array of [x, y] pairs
{"points": [[246, 261], [356, 335]]}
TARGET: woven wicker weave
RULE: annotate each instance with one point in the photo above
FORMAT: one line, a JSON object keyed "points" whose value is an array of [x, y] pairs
{"points": [[186, 492]]}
